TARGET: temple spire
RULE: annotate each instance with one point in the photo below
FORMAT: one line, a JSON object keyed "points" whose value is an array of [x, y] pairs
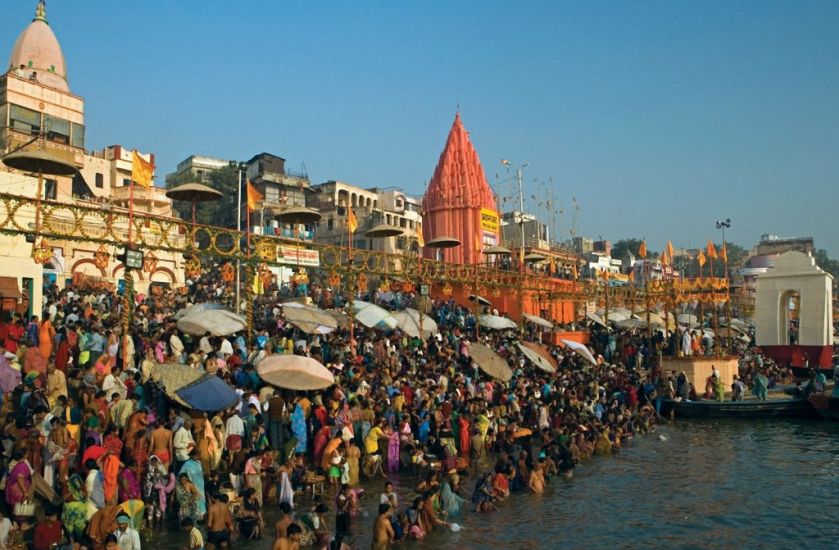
{"points": [[41, 11]]}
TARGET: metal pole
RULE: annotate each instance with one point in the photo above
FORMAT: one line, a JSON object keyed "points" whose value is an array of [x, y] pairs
{"points": [[238, 229], [521, 248]]}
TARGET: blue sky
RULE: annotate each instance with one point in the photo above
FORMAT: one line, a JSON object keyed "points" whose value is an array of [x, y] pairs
{"points": [[658, 117]]}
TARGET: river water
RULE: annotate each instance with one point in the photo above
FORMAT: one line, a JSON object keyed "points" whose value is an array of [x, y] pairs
{"points": [[698, 484]]}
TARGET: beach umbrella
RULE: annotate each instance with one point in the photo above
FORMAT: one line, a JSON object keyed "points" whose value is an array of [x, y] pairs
{"points": [[172, 377], [196, 308], [383, 231], [443, 242], [298, 214], [194, 193], [208, 393], [496, 322], [218, 322], [340, 317], [631, 323], [618, 316], [739, 324], [686, 318], [619, 311], [294, 372], [490, 362], [373, 316], [534, 258], [539, 356], [481, 300], [536, 320], [581, 350], [655, 319], [310, 320], [408, 322], [497, 251], [596, 319]]}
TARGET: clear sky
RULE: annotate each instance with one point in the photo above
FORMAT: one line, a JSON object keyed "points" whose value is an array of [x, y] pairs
{"points": [[659, 117]]}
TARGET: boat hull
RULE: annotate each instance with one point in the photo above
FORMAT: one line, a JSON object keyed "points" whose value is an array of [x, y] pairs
{"points": [[751, 408], [826, 406]]}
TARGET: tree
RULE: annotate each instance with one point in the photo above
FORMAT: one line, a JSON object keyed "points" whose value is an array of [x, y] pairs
{"points": [[218, 213], [827, 263], [621, 247]]}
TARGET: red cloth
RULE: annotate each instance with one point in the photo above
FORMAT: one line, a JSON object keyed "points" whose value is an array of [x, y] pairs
{"points": [[94, 452], [47, 533]]}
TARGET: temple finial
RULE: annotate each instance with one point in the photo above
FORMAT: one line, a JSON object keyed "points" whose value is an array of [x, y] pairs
{"points": [[41, 11]]}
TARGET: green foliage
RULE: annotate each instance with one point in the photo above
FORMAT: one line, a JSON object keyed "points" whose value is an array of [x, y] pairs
{"points": [[219, 213], [827, 263], [621, 247]]}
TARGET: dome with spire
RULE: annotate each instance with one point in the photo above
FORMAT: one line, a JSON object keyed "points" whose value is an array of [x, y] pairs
{"points": [[38, 50]]}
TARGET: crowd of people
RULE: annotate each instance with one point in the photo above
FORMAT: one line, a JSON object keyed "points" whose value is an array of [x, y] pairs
{"points": [[95, 451]]}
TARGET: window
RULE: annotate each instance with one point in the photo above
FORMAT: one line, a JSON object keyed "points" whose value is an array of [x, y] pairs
{"points": [[100, 181], [77, 135], [57, 129], [126, 182], [50, 190], [24, 120], [330, 223]]}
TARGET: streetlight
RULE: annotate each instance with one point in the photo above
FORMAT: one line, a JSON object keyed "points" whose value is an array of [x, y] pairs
{"points": [[723, 225], [519, 175]]}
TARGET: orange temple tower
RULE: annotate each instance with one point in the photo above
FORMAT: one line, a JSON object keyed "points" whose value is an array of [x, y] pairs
{"points": [[459, 202]]}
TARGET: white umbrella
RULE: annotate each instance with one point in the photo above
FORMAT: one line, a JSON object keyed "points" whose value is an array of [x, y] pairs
{"points": [[481, 300], [294, 372], [310, 320], [409, 323], [196, 308], [536, 320], [373, 316], [581, 349], [686, 318], [496, 322], [538, 356], [615, 316], [490, 362], [631, 323], [218, 322], [596, 318]]}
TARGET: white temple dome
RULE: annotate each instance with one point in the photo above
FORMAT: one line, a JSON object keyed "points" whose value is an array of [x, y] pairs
{"points": [[38, 50]]}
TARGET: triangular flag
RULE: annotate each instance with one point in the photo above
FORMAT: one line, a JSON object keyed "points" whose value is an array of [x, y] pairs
{"points": [[670, 251], [142, 171], [723, 253], [642, 250], [254, 197], [352, 222], [712, 252], [701, 258]]}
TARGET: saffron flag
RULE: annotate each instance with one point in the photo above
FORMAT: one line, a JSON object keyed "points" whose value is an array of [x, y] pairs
{"points": [[723, 253], [670, 251], [420, 238], [352, 222], [632, 276], [142, 171], [712, 252], [642, 250], [254, 196], [701, 258]]}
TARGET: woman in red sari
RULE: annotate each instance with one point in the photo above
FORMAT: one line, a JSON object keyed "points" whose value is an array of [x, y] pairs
{"points": [[62, 353], [464, 435]]}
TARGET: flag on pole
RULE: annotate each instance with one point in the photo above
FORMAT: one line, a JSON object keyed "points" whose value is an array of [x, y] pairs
{"points": [[254, 196], [712, 251], [723, 253], [142, 171], [701, 259], [642, 250], [352, 222], [670, 251], [632, 276], [420, 238]]}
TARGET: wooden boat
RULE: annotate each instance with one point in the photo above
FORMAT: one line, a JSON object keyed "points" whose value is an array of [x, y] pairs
{"points": [[749, 408], [826, 405]]}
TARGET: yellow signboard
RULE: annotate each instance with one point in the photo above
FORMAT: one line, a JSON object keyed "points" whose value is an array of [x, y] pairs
{"points": [[489, 220]]}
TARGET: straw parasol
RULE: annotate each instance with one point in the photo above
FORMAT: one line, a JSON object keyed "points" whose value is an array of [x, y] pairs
{"points": [[172, 377], [294, 372], [497, 251], [39, 161], [534, 258], [310, 320], [539, 356], [490, 362], [383, 231], [496, 322], [536, 320], [194, 193], [299, 214], [443, 242], [631, 323]]}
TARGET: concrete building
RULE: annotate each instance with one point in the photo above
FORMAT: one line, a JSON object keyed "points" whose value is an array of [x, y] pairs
{"points": [[536, 233], [36, 103], [197, 168], [371, 207]]}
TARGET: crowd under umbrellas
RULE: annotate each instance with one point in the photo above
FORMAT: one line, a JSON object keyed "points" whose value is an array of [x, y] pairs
{"points": [[195, 425]]}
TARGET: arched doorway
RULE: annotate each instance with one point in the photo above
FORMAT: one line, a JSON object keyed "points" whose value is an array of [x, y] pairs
{"points": [[789, 315]]}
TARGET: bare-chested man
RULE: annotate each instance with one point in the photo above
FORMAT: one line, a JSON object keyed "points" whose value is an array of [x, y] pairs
{"points": [[285, 520], [219, 523], [383, 533], [537, 479], [289, 542], [161, 444]]}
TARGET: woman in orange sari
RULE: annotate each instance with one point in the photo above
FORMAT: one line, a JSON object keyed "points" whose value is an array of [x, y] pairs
{"points": [[46, 336]]}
